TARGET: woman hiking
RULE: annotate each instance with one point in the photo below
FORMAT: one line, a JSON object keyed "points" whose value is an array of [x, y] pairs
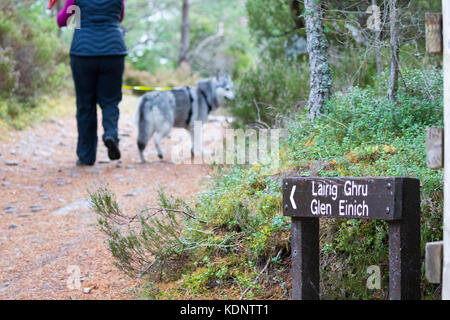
{"points": [[97, 60]]}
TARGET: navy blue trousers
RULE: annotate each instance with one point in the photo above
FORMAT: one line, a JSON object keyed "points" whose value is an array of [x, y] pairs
{"points": [[98, 80]]}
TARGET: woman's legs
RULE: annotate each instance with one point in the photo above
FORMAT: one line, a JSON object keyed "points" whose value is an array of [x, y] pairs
{"points": [[85, 75], [97, 80], [109, 95]]}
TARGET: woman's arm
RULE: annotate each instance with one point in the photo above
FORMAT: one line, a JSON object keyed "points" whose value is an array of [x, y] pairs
{"points": [[63, 16], [122, 15]]}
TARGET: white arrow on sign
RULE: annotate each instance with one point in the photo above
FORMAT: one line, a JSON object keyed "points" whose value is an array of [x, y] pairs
{"points": [[292, 197]]}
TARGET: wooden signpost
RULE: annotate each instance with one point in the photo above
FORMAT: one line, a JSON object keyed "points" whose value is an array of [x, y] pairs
{"points": [[446, 248], [437, 29], [435, 160], [395, 200]]}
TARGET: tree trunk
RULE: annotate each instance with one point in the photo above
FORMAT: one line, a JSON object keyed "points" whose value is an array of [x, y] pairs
{"points": [[378, 57], [395, 50], [320, 72], [378, 46], [185, 30]]}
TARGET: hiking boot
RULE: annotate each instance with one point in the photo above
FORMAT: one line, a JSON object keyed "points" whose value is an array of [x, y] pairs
{"points": [[113, 148], [82, 164]]}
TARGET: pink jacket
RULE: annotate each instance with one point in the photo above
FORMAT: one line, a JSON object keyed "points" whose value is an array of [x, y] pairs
{"points": [[63, 16]]}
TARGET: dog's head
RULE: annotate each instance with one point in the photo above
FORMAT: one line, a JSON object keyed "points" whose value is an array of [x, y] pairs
{"points": [[217, 90], [224, 89]]}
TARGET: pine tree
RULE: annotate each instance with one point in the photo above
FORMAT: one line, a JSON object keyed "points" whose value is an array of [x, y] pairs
{"points": [[320, 71]]}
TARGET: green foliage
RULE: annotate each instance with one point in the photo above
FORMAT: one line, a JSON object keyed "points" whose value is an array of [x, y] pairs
{"points": [[151, 241], [236, 227], [240, 210], [206, 277], [364, 134], [271, 90], [271, 24], [244, 203], [153, 36], [30, 59], [231, 231]]}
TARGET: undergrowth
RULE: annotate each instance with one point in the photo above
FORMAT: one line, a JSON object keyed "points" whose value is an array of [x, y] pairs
{"points": [[32, 62], [233, 242]]}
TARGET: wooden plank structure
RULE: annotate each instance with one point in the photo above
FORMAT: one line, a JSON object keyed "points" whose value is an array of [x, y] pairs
{"points": [[446, 248], [433, 32], [435, 148], [433, 261]]}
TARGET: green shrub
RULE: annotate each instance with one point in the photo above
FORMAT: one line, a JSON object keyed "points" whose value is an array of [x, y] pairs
{"points": [[364, 134], [270, 91], [271, 23], [32, 61], [150, 242], [235, 232], [9, 77]]}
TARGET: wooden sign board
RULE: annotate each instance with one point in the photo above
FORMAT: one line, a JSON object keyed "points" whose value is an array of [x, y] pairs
{"points": [[395, 200], [351, 198]]}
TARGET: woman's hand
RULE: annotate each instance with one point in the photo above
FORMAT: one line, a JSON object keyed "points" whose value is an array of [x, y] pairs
{"points": [[51, 4]]}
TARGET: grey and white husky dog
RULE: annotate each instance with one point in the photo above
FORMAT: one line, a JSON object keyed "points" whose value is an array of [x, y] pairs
{"points": [[160, 111]]}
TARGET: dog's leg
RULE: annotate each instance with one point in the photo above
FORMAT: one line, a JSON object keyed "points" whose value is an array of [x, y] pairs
{"points": [[145, 133], [165, 129], [141, 152], [196, 132], [192, 132], [158, 138]]}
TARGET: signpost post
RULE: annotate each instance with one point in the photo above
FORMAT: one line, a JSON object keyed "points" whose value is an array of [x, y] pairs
{"points": [[446, 45], [395, 200]]}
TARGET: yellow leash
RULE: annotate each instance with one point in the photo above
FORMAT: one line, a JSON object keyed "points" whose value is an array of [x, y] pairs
{"points": [[140, 88]]}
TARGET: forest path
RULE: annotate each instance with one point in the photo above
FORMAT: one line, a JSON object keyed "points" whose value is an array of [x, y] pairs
{"points": [[46, 225]]}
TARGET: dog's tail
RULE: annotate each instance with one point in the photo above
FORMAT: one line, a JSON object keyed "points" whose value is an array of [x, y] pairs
{"points": [[144, 123], [139, 111]]}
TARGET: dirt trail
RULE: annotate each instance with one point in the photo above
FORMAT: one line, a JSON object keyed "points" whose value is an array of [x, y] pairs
{"points": [[45, 222]]}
